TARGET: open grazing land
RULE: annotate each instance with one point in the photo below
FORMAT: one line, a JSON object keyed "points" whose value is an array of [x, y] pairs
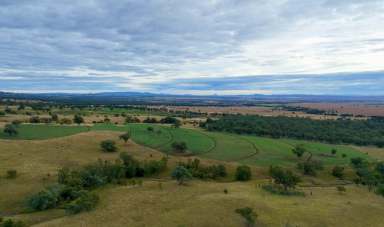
{"points": [[130, 166]]}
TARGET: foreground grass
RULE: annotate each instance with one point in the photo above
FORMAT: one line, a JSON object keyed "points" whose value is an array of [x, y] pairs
{"points": [[205, 204]]}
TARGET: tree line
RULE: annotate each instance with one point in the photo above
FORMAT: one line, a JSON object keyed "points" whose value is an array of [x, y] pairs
{"points": [[359, 132]]}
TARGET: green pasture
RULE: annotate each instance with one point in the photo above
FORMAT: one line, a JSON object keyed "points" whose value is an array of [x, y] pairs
{"points": [[43, 131], [250, 150]]}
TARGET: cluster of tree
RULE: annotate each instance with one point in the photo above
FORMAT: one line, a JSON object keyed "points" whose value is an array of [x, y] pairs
{"points": [[359, 132], [74, 188], [370, 175], [307, 110], [204, 172], [73, 199], [167, 120]]}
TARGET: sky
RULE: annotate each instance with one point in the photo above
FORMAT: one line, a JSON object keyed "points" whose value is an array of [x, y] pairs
{"points": [[193, 47]]}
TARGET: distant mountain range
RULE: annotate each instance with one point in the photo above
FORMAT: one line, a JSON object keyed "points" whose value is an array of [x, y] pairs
{"points": [[135, 98]]}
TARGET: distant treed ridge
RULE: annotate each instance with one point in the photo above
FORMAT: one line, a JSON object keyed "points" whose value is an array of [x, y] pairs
{"points": [[359, 132]]}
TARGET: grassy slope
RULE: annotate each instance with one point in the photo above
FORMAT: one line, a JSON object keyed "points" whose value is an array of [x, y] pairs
{"points": [[205, 204], [199, 204]]}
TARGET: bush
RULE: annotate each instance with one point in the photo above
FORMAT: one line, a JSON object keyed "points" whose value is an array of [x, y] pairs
{"points": [[380, 190], [65, 121], [248, 214], [150, 120], [86, 202], [169, 120], [341, 189], [130, 119], [78, 119], [179, 147], [108, 146], [10, 129], [46, 199], [358, 162], [279, 190], [154, 167], [11, 174], [181, 174], [338, 171], [243, 173], [11, 223]]}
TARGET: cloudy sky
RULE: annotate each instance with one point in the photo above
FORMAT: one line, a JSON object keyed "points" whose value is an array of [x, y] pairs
{"points": [[193, 47]]}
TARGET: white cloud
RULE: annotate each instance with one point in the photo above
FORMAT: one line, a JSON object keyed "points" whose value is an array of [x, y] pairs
{"points": [[139, 45]]}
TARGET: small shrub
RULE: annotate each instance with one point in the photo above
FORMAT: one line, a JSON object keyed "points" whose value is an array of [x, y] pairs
{"points": [[86, 202], [11, 174], [108, 146], [338, 171], [380, 190], [179, 147], [225, 191], [344, 155], [341, 189], [11, 223], [10, 129], [333, 151], [126, 136], [310, 167], [243, 173], [278, 190], [248, 214]]}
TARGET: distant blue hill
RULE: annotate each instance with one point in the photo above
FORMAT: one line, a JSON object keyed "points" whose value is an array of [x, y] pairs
{"points": [[136, 98]]}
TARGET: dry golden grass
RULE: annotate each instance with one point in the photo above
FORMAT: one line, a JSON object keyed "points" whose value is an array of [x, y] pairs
{"points": [[205, 204]]}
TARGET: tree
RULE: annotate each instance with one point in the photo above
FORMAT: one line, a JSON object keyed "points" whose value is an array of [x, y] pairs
{"points": [[333, 151], [181, 174], [108, 146], [338, 171], [358, 162], [380, 168], [78, 119], [177, 124], [126, 136], [10, 129], [299, 150], [243, 173], [55, 117], [248, 214], [284, 178], [150, 129], [179, 147]]}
